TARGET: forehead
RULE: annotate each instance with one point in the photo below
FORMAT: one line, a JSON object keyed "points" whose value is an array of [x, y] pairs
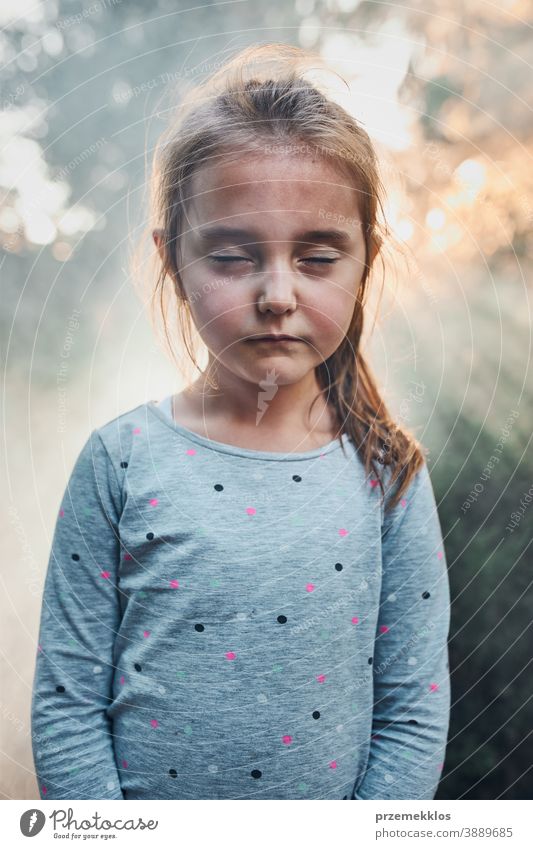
{"points": [[287, 183]]}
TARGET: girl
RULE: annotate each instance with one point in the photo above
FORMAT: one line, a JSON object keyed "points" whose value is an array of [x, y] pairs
{"points": [[247, 594]]}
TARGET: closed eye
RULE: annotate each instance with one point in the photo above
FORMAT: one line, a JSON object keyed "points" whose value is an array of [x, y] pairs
{"points": [[219, 258], [320, 259]]}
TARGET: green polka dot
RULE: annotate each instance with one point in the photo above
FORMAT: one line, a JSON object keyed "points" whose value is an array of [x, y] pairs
{"points": [[181, 674], [277, 668], [215, 582], [187, 729], [324, 635], [302, 787], [142, 594], [72, 643], [87, 511]]}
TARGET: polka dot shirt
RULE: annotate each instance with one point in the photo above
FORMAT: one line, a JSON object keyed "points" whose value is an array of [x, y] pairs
{"points": [[224, 623]]}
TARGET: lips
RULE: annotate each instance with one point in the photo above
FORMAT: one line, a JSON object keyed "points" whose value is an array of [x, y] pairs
{"points": [[274, 338]]}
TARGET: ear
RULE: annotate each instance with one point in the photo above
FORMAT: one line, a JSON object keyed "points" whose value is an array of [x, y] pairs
{"points": [[157, 236]]}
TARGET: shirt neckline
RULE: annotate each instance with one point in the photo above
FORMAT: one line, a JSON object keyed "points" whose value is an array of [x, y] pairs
{"points": [[226, 448]]}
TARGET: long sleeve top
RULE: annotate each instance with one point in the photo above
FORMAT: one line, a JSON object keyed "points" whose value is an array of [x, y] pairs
{"points": [[225, 623]]}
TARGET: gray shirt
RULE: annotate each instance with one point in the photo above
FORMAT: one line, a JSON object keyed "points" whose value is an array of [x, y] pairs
{"points": [[225, 623]]}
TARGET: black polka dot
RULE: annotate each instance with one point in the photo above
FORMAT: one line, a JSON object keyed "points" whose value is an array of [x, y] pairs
{"points": [[149, 535], [316, 714], [256, 773], [75, 556], [426, 594], [370, 659], [338, 567], [60, 689], [344, 797], [123, 465], [173, 773], [198, 627], [296, 478], [412, 722], [218, 487], [138, 667], [282, 619]]}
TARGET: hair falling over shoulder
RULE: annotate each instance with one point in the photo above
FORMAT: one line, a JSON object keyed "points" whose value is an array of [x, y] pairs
{"points": [[263, 97]]}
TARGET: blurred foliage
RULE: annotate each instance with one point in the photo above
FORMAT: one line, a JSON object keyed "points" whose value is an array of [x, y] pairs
{"points": [[442, 88]]}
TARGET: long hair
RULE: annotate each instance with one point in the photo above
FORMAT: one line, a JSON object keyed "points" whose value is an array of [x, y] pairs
{"points": [[262, 97]]}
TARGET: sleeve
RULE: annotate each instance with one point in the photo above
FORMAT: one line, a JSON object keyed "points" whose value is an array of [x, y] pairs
{"points": [[72, 737], [410, 667]]}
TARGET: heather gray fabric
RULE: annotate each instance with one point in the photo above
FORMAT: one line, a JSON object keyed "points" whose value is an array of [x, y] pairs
{"points": [[222, 623]]}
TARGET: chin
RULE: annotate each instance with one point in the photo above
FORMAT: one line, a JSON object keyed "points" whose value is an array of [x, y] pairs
{"points": [[276, 370]]}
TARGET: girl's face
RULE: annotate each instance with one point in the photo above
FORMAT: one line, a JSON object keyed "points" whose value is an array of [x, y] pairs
{"points": [[272, 245]]}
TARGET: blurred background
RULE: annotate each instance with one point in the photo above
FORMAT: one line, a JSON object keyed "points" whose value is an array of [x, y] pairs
{"points": [[442, 88]]}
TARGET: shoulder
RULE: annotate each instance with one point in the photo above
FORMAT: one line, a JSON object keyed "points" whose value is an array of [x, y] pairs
{"points": [[417, 503], [117, 435]]}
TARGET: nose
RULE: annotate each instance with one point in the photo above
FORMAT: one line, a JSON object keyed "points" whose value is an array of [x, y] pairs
{"points": [[277, 290]]}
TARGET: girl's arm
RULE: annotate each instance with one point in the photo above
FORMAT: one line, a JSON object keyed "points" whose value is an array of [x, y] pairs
{"points": [[71, 733], [411, 677]]}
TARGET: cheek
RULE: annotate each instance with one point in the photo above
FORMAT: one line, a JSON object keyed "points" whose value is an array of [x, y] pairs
{"points": [[330, 312], [220, 309]]}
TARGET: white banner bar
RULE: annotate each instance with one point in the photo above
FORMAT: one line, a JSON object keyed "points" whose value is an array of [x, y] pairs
{"points": [[269, 824]]}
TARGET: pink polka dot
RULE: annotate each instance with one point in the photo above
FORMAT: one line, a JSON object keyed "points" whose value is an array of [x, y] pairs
{"points": [[190, 451], [287, 739], [128, 557], [154, 723], [373, 482], [122, 680], [383, 629], [309, 587], [136, 430], [343, 532], [231, 655], [333, 764], [146, 633], [355, 620], [403, 502], [61, 513], [433, 688], [321, 678], [125, 764], [44, 789], [154, 502], [251, 511], [105, 574], [441, 766], [39, 647], [440, 555], [174, 584]]}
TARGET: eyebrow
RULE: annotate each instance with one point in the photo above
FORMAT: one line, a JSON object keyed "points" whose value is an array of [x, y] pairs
{"points": [[211, 234]]}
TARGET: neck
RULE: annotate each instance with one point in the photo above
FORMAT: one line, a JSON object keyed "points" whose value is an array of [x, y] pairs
{"points": [[269, 406]]}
